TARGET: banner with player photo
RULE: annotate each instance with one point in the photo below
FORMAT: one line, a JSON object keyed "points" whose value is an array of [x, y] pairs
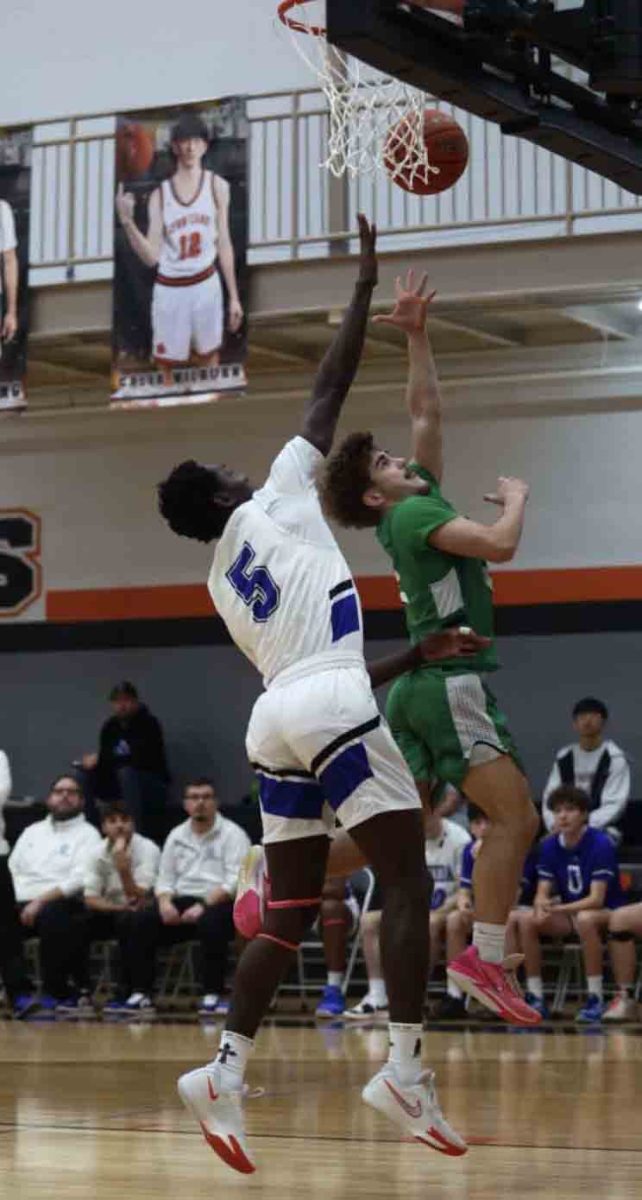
{"points": [[15, 189], [179, 299]]}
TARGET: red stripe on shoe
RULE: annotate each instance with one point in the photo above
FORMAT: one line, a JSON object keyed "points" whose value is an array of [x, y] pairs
{"points": [[442, 1146], [233, 1155]]}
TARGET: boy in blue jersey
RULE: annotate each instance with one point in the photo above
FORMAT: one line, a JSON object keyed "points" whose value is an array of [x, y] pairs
{"points": [[578, 888]]}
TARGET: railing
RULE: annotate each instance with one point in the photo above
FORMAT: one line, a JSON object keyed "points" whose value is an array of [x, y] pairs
{"points": [[511, 190]]}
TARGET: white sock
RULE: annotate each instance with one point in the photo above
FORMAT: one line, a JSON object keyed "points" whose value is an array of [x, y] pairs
{"points": [[231, 1058], [405, 1051], [490, 941], [335, 978], [454, 991], [595, 986], [377, 993], [535, 986]]}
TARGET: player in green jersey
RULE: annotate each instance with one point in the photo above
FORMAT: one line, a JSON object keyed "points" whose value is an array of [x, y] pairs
{"points": [[444, 717]]}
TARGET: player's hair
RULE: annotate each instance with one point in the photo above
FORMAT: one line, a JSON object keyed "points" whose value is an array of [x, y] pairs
{"points": [[591, 704], [475, 813], [124, 688], [188, 125], [573, 796], [187, 501], [343, 480], [200, 781], [114, 808]]}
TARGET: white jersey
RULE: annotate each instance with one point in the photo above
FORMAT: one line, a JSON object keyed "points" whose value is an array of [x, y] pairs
{"points": [[7, 231], [279, 579], [190, 231], [443, 859]]}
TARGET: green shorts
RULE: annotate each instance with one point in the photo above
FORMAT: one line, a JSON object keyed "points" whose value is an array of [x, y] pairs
{"points": [[437, 717]]}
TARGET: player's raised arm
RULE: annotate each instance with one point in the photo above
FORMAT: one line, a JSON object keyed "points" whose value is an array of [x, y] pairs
{"points": [[422, 392], [148, 247], [340, 362]]}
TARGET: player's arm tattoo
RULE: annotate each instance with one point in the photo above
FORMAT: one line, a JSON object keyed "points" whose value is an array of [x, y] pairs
{"points": [[339, 365]]}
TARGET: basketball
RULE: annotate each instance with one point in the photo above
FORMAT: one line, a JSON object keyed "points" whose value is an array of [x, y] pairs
{"points": [[134, 151], [447, 148]]}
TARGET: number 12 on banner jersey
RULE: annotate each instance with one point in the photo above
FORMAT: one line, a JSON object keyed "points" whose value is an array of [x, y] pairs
{"points": [[254, 585]]}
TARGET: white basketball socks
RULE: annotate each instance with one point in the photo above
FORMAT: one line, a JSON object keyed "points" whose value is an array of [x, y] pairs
{"points": [[231, 1059], [490, 941], [405, 1051]]}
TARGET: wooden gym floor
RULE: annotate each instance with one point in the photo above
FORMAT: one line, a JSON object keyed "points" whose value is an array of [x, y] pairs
{"points": [[89, 1112]]}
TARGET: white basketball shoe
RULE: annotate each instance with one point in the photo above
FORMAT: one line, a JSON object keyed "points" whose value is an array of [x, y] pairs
{"points": [[414, 1108], [219, 1113]]}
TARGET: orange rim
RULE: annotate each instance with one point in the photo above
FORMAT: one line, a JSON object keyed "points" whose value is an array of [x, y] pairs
{"points": [[283, 13]]}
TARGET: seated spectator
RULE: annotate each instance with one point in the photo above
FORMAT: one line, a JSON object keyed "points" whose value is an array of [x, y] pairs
{"points": [[195, 887], [578, 887], [459, 922], [48, 864], [131, 761], [338, 920], [445, 842], [625, 925], [13, 969], [119, 880], [596, 765]]}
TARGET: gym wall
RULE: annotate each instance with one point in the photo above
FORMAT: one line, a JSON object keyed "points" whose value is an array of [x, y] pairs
{"points": [[121, 596]]}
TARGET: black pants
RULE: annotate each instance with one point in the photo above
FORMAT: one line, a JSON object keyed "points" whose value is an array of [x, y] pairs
{"points": [[62, 927], [13, 969], [116, 926], [214, 931]]}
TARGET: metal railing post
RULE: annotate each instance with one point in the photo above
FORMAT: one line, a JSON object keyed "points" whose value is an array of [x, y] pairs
{"points": [[71, 214], [569, 217], [294, 174]]}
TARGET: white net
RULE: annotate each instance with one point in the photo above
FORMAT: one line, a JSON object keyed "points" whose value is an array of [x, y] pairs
{"points": [[376, 121]]}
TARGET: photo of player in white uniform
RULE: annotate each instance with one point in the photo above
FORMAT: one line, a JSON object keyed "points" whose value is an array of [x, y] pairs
{"points": [[180, 245], [15, 188], [9, 273], [188, 241]]}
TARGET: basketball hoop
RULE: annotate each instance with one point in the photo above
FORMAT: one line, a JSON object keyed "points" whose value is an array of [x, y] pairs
{"points": [[364, 103]]}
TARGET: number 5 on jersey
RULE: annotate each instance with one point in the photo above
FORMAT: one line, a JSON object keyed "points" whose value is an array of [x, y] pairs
{"points": [[254, 585]]}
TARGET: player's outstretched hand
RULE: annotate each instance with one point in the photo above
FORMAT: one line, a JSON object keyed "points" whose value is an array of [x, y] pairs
{"points": [[124, 205], [508, 488], [411, 304], [459, 642], [367, 251]]}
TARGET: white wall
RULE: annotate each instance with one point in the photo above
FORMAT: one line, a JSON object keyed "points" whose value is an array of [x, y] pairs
{"points": [[72, 57], [92, 482]]}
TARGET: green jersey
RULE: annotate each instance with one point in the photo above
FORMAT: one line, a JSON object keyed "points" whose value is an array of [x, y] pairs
{"points": [[438, 590]]}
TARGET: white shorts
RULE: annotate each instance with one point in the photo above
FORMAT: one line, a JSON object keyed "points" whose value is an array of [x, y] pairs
{"points": [[322, 752], [187, 318]]}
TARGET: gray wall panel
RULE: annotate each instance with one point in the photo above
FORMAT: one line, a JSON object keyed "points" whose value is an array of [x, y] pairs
{"points": [[52, 704]]}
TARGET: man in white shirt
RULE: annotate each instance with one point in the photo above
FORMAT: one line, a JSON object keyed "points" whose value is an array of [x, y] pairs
{"points": [[8, 274], [48, 864], [13, 969], [119, 881], [596, 765], [195, 890], [444, 847]]}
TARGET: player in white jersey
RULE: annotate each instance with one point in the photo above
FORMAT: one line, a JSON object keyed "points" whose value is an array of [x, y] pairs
{"points": [[8, 275], [188, 242], [317, 742]]}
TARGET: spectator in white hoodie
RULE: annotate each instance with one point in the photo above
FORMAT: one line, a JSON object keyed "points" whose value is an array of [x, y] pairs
{"points": [[48, 865], [594, 764], [13, 970]]}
